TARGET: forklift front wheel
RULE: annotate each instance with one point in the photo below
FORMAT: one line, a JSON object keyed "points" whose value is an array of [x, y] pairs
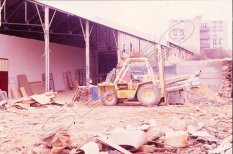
{"points": [[148, 94], [109, 98]]}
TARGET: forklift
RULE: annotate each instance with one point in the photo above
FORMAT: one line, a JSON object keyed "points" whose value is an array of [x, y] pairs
{"points": [[136, 80]]}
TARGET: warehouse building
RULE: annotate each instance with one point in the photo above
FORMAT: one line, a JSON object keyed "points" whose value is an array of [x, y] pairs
{"points": [[44, 43]]}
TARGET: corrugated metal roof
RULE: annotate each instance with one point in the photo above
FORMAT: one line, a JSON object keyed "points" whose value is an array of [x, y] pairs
{"points": [[100, 20], [123, 28]]}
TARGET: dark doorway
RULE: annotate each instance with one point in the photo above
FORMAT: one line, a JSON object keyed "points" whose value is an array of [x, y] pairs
{"points": [[4, 74], [106, 62]]}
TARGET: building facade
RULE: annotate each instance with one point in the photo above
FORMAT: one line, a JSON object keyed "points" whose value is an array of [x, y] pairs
{"points": [[213, 35], [186, 33], [199, 35]]}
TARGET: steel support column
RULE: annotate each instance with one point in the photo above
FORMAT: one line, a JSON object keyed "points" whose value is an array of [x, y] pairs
{"points": [[1, 6], [25, 12], [46, 38], [0, 13], [161, 70], [87, 39]]}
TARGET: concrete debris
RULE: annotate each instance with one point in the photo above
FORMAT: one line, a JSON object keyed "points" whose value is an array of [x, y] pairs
{"points": [[145, 126], [226, 86], [204, 95], [90, 148], [153, 122], [224, 146], [147, 148], [2, 132], [178, 124], [200, 125], [3, 104], [124, 137], [21, 106], [54, 143], [178, 139], [221, 148], [80, 139], [1, 128], [227, 140], [105, 140], [202, 134], [229, 151]]}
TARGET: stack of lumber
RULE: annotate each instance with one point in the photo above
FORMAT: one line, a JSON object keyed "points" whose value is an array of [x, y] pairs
{"points": [[30, 94], [33, 100]]}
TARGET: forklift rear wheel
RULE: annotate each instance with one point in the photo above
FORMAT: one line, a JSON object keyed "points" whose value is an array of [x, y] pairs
{"points": [[148, 94], [109, 98]]}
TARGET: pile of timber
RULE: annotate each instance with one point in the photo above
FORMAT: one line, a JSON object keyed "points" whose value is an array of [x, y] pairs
{"points": [[226, 87], [30, 94], [35, 100]]}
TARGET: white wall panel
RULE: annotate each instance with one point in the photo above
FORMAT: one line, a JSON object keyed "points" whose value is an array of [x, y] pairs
{"points": [[26, 57]]}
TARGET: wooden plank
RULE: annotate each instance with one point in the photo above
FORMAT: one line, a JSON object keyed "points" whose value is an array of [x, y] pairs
{"points": [[176, 78], [23, 82], [51, 94], [23, 92], [28, 100], [3, 95], [70, 80], [21, 106], [42, 99], [15, 93], [37, 87]]}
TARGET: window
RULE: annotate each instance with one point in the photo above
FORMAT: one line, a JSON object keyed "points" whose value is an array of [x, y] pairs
{"points": [[220, 41], [214, 24], [181, 32], [214, 41], [220, 24], [175, 32], [203, 25], [214, 33]]}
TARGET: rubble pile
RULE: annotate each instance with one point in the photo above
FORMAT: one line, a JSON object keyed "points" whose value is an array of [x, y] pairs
{"points": [[167, 129], [149, 136], [204, 95], [226, 87]]}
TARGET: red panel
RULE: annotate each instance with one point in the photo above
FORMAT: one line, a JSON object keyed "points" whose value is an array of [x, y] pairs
{"points": [[4, 81]]}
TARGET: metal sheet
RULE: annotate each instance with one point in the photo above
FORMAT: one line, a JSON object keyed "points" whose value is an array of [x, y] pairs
{"points": [[134, 138], [109, 142], [90, 148]]}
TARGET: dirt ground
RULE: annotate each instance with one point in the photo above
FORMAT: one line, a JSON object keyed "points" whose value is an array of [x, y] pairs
{"points": [[21, 129]]}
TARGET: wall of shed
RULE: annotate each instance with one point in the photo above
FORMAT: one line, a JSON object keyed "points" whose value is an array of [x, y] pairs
{"points": [[26, 57], [131, 45], [102, 42], [176, 55]]}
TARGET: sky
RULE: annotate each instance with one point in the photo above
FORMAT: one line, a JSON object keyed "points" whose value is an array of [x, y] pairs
{"points": [[150, 17]]}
